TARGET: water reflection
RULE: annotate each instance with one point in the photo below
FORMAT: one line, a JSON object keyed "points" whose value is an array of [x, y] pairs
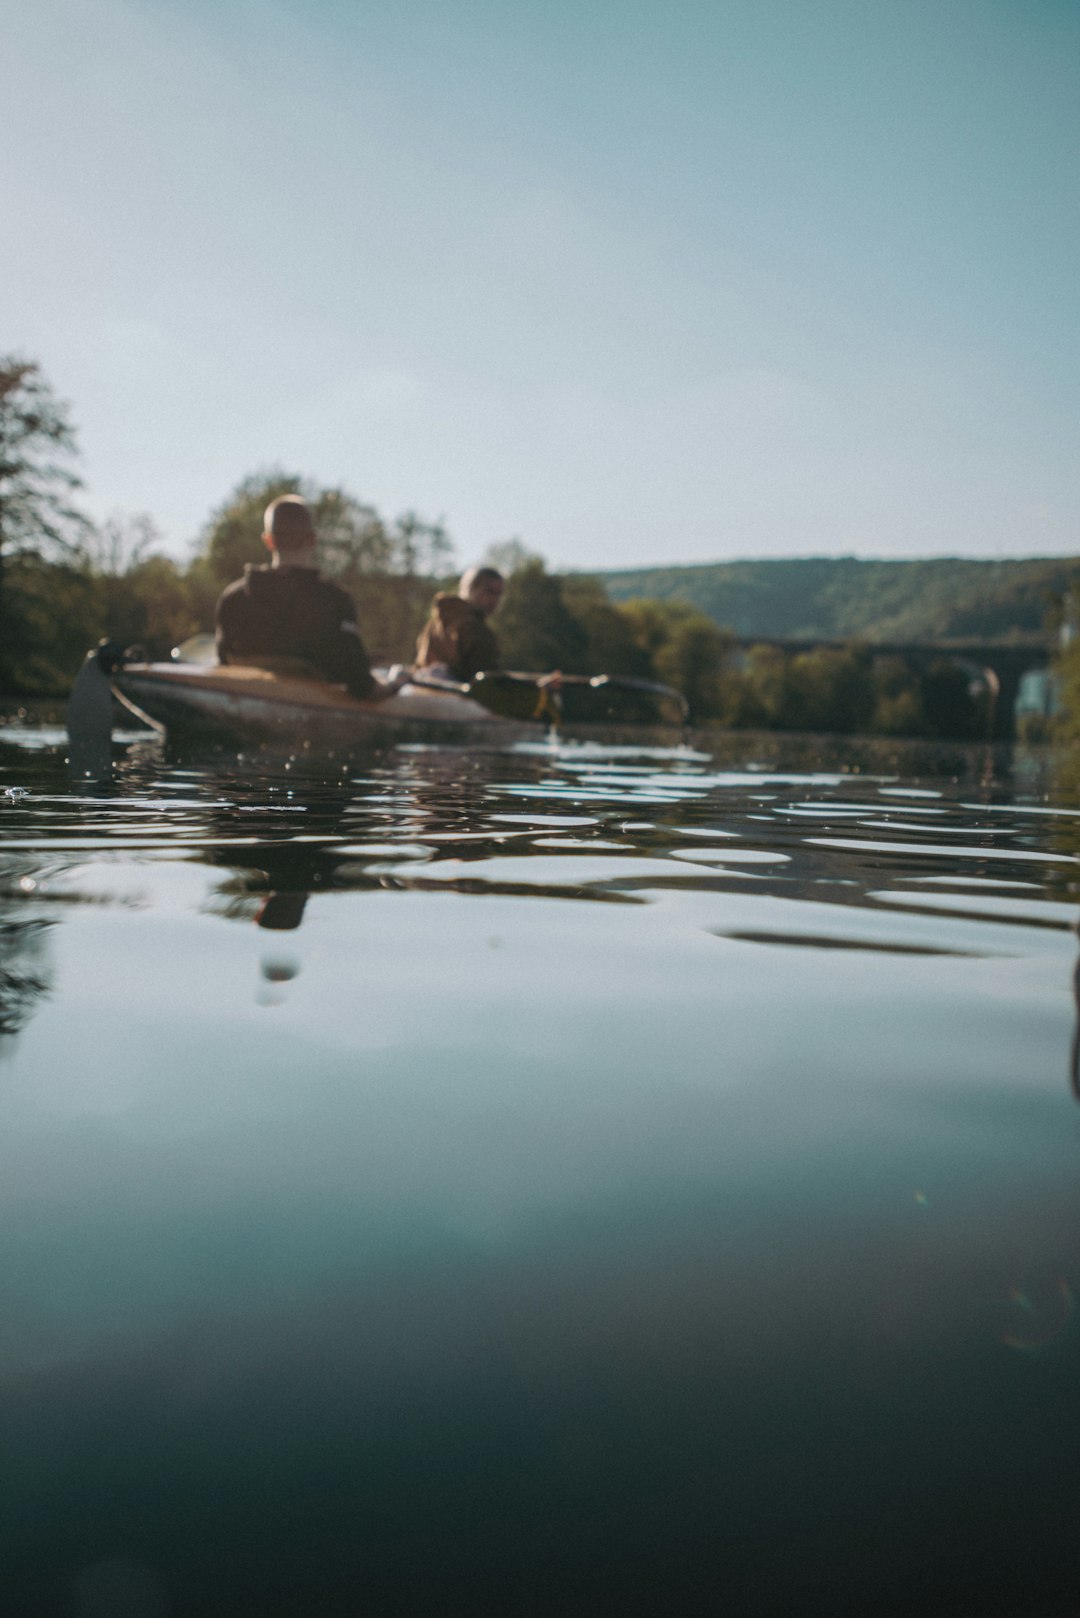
{"points": [[641, 1178], [24, 975]]}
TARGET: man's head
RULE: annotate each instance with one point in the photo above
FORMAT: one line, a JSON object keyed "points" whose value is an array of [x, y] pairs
{"points": [[482, 587], [287, 526]]}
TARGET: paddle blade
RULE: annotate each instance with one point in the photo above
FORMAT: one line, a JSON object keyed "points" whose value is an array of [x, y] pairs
{"points": [[89, 721], [514, 696], [580, 699], [621, 700]]}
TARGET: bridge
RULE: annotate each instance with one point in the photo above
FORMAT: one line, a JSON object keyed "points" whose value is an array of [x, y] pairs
{"points": [[1005, 662]]}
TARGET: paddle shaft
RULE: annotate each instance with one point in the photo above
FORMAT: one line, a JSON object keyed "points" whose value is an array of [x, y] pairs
{"points": [[549, 685]]}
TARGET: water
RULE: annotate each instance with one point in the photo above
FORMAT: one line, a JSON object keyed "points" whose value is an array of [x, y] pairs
{"points": [[540, 1182]]}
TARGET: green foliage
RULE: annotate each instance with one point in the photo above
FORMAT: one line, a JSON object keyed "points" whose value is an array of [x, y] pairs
{"points": [[157, 610], [898, 708], [611, 646], [832, 689], [686, 650], [37, 444], [1067, 667], [139, 596], [949, 705], [48, 608], [391, 579], [37, 519], [508, 555], [537, 631], [845, 599], [849, 690]]}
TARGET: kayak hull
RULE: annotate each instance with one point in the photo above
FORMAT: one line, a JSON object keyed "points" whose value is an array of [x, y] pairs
{"points": [[239, 704]]}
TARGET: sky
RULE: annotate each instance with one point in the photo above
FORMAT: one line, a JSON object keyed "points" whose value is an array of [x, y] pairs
{"points": [[635, 282]]}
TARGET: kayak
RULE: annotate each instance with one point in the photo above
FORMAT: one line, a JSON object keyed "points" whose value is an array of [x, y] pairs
{"points": [[250, 704], [243, 703]]}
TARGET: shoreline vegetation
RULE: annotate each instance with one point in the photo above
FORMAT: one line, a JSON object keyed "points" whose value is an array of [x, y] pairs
{"points": [[65, 583]]}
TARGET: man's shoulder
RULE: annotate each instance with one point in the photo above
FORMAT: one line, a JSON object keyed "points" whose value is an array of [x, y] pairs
{"points": [[240, 586], [254, 573]]}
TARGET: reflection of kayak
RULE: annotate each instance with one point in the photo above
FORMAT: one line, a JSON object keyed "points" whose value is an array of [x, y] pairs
{"points": [[286, 705]]}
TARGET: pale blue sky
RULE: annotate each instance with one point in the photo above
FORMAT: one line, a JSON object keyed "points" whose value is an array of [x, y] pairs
{"points": [[636, 282]]}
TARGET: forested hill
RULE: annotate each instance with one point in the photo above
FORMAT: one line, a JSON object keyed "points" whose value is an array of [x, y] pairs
{"points": [[826, 599]]}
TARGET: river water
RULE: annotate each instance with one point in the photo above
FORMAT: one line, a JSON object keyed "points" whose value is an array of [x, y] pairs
{"points": [[552, 1181]]}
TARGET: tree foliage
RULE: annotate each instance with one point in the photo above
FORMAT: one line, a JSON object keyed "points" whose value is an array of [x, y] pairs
{"points": [[508, 555], [37, 445], [537, 631], [37, 518], [842, 598], [685, 649], [611, 645]]}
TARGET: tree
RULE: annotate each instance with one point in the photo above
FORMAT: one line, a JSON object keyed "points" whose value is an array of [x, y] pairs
{"points": [[158, 609], [37, 442], [393, 608], [761, 696], [898, 709], [609, 634], [109, 554], [948, 701], [49, 620], [509, 556], [120, 543], [25, 975], [830, 688], [537, 631], [685, 649], [420, 549]]}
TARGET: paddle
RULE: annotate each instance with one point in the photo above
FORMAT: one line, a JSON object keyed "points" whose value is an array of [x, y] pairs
{"points": [[89, 714], [515, 695], [538, 696]]}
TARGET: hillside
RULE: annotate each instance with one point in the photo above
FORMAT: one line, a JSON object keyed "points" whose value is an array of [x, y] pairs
{"points": [[826, 598]]}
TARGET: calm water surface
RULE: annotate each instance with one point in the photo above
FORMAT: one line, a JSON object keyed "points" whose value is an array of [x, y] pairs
{"points": [[554, 1181]]}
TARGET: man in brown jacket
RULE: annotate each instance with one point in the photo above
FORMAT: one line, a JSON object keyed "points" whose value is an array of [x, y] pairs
{"points": [[285, 611], [457, 640]]}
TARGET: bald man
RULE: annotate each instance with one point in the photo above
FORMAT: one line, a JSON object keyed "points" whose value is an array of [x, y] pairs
{"points": [[284, 610]]}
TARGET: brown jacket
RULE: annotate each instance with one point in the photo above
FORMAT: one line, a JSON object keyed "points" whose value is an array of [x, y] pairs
{"points": [[290, 612], [458, 636]]}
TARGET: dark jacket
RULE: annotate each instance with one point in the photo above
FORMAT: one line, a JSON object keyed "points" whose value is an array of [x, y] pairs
{"points": [[459, 636], [291, 612]]}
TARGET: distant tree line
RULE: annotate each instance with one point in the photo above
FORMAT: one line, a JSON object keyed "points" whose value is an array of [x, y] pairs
{"points": [[847, 598], [65, 583]]}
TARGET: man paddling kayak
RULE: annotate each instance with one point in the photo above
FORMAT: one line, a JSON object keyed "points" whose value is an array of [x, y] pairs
{"points": [[457, 641], [285, 612]]}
